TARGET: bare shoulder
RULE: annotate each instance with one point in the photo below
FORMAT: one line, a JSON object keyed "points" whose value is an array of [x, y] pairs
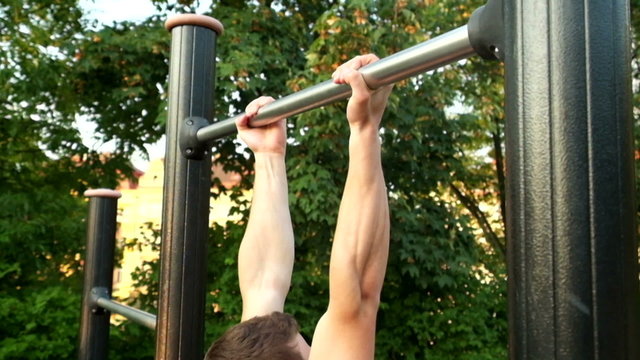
{"points": [[340, 337]]}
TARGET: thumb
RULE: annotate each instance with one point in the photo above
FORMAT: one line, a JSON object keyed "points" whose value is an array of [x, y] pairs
{"points": [[242, 122], [360, 89]]}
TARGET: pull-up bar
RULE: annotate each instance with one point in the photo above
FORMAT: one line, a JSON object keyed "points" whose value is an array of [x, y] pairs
{"points": [[431, 54], [482, 36]]}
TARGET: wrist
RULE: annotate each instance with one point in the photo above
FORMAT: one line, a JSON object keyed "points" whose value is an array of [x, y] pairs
{"points": [[364, 131], [368, 122], [268, 156], [270, 175]]}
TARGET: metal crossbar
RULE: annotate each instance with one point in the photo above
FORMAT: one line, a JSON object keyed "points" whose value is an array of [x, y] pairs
{"points": [[136, 315], [428, 55]]}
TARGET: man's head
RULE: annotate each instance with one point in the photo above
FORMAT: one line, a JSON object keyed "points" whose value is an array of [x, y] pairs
{"points": [[268, 337]]}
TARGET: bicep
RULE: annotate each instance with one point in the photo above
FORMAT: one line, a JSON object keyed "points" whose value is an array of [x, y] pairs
{"points": [[260, 302], [264, 283]]}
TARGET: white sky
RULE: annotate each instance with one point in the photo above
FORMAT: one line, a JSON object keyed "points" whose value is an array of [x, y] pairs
{"points": [[107, 12]]}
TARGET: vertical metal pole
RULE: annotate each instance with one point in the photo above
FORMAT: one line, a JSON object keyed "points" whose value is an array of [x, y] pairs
{"points": [[573, 270], [180, 328], [98, 272]]}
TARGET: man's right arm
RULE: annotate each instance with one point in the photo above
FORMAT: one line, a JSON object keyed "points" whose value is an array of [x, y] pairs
{"points": [[361, 241]]}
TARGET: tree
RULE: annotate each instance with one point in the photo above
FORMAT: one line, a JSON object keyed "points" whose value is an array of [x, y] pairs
{"points": [[40, 222], [49, 76]]}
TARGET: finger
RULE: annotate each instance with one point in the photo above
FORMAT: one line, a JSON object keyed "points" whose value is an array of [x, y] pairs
{"points": [[367, 59], [339, 75], [353, 64], [242, 122], [255, 105], [360, 89], [336, 75], [360, 61]]}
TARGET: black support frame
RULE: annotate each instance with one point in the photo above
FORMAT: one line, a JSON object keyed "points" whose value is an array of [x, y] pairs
{"points": [[98, 273], [572, 247], [187, 183]]}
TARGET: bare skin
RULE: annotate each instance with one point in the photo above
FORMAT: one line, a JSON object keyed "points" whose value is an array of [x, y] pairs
{"points": [[361, 242], [265, 261]]}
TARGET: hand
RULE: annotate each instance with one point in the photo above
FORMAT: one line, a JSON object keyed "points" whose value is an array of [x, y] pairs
{"points": [[366, 106], [270, 138]]}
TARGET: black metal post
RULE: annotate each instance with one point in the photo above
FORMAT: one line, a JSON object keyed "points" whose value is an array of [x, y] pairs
{"points": [[573, 270], [180, 328], [98, 272]]}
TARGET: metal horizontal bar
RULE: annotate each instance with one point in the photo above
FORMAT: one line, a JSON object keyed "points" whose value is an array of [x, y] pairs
{"points": [[431, 54], [136, 315]]}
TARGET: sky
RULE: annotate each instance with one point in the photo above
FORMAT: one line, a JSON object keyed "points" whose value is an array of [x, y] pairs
{"points": [[106, 12]]}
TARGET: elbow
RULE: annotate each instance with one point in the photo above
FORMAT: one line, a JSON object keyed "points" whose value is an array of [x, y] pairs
{"points": [[371, 289], [370, 300], [358, 306]]}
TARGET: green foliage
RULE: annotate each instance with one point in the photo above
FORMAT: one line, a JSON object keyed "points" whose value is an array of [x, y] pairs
{"points": [[40, 323], [49, 62], [40, 221], [120, 73]]}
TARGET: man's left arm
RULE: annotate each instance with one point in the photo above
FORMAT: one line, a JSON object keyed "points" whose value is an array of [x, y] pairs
{"points": [[265, 260]]}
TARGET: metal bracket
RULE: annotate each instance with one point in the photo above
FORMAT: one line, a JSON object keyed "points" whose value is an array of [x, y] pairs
{"points": [[190, 147], [96, 293], [486, 30]]}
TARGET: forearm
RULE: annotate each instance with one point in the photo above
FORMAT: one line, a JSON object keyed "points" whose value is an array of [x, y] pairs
{"points": [[361, 243], [266, 254]]}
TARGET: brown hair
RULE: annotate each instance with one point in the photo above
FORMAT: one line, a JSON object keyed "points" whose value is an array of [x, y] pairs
{"points": [[268, 337]]}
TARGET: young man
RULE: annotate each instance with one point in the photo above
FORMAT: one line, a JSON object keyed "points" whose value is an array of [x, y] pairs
{"points": [[358, 256]]}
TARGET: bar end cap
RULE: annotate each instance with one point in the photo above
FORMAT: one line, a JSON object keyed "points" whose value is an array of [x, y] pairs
{"points": [[108, 193], [194, 19]]}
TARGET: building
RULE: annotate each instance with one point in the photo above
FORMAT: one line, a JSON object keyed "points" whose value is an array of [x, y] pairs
{"points": [[139, 217]]}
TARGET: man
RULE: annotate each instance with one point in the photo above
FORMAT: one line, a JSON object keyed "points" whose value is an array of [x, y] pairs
{"points": [[358, 256]]}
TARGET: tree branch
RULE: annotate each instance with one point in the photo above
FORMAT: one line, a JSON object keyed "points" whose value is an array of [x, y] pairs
{"points": [[480, 217]]}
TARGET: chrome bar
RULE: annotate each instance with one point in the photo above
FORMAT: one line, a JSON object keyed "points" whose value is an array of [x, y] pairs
{"points": [[136, 315], [431, 54]]}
